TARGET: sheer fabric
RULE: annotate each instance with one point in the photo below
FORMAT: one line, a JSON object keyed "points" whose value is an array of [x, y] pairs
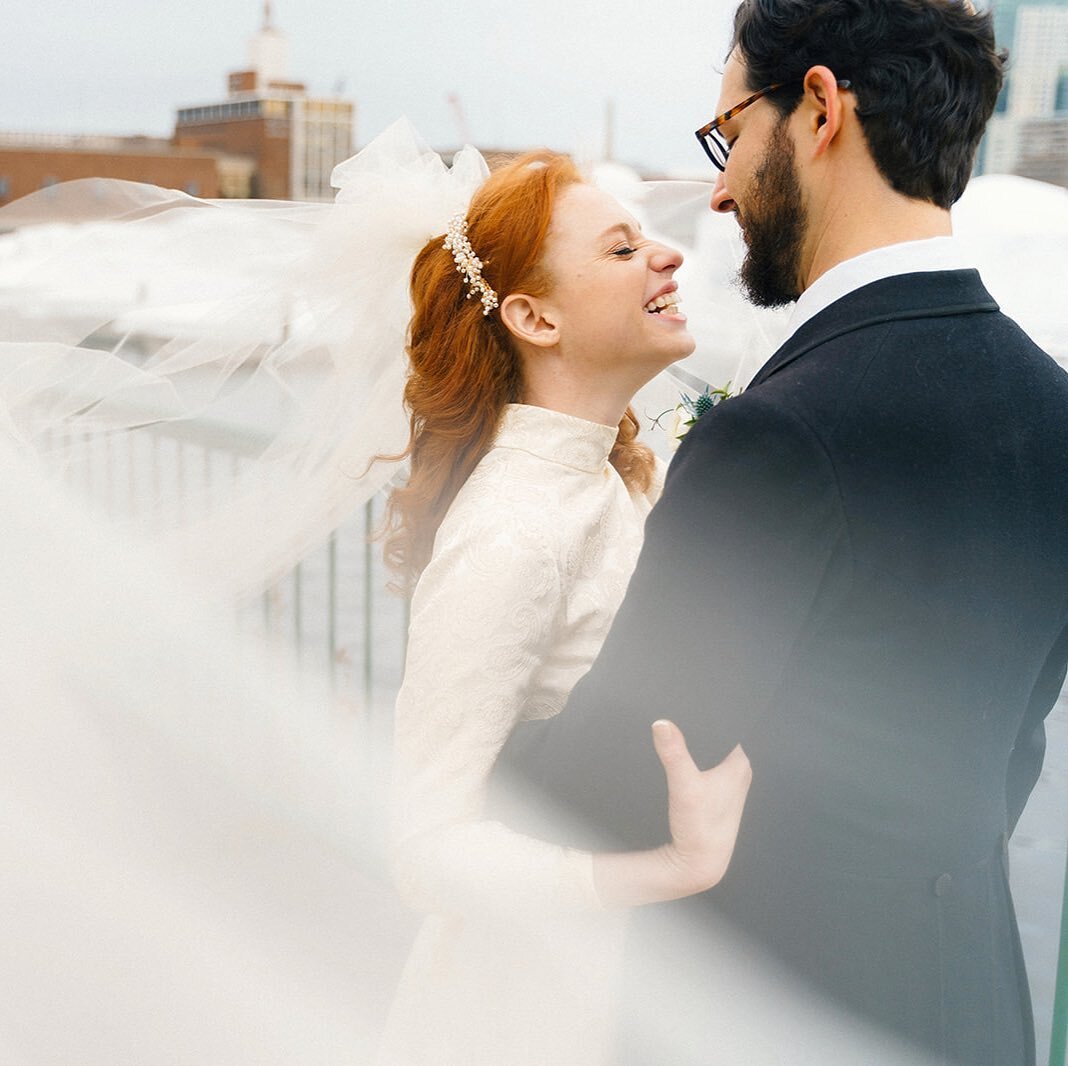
{"points": [[135, 312]]}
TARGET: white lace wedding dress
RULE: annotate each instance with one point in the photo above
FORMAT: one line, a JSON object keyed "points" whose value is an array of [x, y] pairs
{"points": [[514, 962]]}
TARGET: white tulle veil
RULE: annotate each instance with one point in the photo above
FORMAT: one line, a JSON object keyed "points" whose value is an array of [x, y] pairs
{"points": [[136, 317], [140, 314]]}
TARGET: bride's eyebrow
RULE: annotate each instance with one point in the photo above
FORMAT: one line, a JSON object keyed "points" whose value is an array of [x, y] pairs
{"points": [[625, 229]]}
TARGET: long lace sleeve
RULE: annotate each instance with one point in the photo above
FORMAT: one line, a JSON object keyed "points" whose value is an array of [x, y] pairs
{"points": [[488, 609]]}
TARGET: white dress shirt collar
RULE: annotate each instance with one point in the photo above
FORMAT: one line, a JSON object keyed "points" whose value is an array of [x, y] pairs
{"points": [[909, 257]]}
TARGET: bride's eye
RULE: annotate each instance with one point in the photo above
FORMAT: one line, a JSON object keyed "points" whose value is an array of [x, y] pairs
{"points": [[625, 251]]}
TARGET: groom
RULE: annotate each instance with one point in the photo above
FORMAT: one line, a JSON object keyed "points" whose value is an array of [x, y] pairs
{"points": [[859, 567]]}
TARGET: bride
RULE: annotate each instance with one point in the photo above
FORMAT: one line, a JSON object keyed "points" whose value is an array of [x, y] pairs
{"points": [[518, 525], [537, 316]]}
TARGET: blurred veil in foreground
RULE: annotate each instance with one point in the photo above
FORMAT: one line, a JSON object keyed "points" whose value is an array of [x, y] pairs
{"points": [[191, 848], [187, 842]]}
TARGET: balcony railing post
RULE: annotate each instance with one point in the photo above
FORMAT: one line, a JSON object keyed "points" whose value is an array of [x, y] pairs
{"points": [[331, 608], [298, 607], [368, 604]]}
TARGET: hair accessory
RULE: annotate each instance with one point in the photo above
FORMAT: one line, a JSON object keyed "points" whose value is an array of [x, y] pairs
{"points": [[467, 263]]}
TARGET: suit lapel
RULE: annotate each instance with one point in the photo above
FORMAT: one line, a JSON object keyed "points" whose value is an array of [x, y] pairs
{"points": [[930, 294]]}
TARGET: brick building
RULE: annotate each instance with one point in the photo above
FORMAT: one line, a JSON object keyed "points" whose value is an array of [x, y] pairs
{"points": [[34, 161], [295, 140], [268, 138]]}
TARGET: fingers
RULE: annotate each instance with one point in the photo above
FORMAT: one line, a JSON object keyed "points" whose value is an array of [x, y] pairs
{"points": [[737, 762], [675, 756], [671, 748], [704, 807]]}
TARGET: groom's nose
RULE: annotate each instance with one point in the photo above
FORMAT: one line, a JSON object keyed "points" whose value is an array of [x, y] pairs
{"points": [[722, 201]]}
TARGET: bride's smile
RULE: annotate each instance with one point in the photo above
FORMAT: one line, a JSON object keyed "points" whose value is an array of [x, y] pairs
{"points": [[666, 303]]}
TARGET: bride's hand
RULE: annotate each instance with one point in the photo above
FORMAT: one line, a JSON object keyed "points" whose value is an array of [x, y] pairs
{"points": [[704, 808], [704, 812]]}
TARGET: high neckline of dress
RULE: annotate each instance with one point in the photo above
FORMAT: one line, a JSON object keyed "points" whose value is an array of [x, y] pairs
{"points": [[557, 437]]}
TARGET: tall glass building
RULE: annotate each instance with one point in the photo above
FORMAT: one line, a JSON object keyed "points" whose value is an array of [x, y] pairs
{"points": [[1029, 132]]}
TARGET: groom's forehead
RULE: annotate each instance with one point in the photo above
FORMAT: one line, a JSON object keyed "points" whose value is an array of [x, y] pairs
{"points": [[734, 86]]}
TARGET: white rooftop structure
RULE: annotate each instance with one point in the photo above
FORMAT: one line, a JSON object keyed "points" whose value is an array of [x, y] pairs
{"points": [[268, 51]]}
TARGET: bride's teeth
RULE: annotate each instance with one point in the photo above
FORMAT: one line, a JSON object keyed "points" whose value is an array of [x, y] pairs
{"points": [[661, 302]]}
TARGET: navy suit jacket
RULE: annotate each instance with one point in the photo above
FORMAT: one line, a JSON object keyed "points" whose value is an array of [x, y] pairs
{"points": [[859, 571]]}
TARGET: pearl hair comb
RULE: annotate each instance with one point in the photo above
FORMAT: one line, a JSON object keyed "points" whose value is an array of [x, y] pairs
{"points": [[467, 263]]}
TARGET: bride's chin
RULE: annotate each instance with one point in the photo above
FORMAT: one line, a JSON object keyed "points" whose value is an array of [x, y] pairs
{"points": [[673, 329], [669, 357], [685, 342]]}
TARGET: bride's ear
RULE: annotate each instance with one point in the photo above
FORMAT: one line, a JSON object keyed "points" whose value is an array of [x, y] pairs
{"points": [[530, 320]]}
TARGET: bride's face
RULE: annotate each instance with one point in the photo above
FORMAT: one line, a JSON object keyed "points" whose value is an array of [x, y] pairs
{"points": [[612, 289]]}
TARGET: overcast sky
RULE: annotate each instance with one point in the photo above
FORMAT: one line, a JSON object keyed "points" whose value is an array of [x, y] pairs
{"points": [[526, 73]]}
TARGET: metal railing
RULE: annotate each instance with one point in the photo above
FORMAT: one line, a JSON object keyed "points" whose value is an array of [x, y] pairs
{"points": [[336, 612], [333, 611]]}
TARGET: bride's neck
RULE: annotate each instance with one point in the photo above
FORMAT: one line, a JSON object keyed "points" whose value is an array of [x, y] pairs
{"points": [[593, 404], [563, 385]]}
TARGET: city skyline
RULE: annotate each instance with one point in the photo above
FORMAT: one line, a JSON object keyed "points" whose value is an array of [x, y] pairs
{"points": [[588, 83], [502, 78]]}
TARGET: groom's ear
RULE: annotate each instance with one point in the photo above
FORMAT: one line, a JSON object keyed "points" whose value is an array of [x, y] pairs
{"points": [[530, 319], [824, 108]]}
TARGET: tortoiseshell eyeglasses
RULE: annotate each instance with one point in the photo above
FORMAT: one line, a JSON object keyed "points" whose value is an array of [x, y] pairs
{"points": [[714, 143]]}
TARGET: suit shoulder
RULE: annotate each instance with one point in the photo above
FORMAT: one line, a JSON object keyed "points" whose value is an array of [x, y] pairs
{"points": [[760, 416], [754, 443]]}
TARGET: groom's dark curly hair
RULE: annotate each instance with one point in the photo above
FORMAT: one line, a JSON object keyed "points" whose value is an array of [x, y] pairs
{"points": [[926, 74]]}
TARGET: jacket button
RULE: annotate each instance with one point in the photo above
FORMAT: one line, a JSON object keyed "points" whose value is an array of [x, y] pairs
{"points": [[942, 884]]}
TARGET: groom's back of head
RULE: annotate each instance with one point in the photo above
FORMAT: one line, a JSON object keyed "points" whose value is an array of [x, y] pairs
{"points": [[926, 74]]}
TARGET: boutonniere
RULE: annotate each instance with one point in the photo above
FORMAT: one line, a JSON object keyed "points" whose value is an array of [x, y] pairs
{"points": [[689, 410]]}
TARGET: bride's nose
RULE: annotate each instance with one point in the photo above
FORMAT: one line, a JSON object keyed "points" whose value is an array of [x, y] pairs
{"points": [[665, 258]]}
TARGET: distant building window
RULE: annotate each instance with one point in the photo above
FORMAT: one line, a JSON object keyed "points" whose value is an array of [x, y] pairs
{"points": [[220, 112], [1062, 94], [5, 187]]}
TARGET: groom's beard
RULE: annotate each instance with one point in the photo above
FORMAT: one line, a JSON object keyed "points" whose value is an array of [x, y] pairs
{"points": [[773, 226]]}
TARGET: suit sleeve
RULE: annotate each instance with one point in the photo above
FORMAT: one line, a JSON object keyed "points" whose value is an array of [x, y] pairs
{"points": [[737, 560]]}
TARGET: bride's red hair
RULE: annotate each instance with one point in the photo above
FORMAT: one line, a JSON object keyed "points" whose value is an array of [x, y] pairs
{"points": [[464, 366]]}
